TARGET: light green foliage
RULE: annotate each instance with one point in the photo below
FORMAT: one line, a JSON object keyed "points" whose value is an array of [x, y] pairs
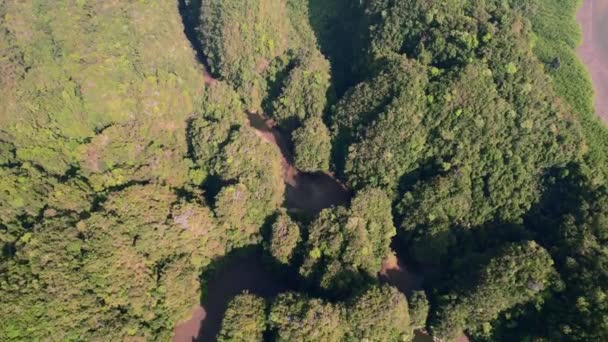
{"points": [[380, 314], [345, 247], [137, 151], [244, 320], [312, 146], [240, 38], [108, 133], [418, 309], [294, 317], [514, 275], [256, 165], [285, 237], [65, 79], [85, 75]]}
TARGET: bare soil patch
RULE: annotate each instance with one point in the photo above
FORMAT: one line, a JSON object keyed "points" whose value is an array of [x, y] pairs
{"points": [[593, 18]]}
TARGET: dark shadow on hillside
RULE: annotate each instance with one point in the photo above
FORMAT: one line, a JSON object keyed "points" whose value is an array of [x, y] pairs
{"points": [[565, 189], [241, 270], [190, 13], [336, 26]]}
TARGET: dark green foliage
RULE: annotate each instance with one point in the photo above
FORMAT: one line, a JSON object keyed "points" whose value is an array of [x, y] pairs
{"points": [[285, 237], [462, 133], [222, 112], [380, 314], [419, 310], [312, 146], [294, 317], [572, 223], [514, 275], [346, 247], [578, 312], [128, 265], [431, 207], [244, 320]]}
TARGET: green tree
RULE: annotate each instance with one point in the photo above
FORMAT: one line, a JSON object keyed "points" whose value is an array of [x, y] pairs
{"points": [[240, 38], [513, 275], [419, 310], [379, 314], [304, 90], [294, 317], [285, 237], [312, 146], [345, 248], [244, 320]]}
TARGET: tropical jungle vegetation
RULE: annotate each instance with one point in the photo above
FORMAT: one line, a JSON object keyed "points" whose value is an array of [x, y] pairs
{"points": [[464, 131]]}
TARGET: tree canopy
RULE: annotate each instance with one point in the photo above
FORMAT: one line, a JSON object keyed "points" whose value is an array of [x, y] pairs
{"points": [[143, 144]]}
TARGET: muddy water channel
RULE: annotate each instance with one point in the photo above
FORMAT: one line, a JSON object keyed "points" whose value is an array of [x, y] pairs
{"points": [[593, 18], [305, 192], [246, 271], [242, 272]]}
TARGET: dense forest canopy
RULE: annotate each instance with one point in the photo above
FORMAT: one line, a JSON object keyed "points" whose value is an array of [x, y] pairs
{"points": [[130, 168]]}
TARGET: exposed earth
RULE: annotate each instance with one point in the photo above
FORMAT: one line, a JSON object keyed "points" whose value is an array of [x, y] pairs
{"points": [[593, 18]]}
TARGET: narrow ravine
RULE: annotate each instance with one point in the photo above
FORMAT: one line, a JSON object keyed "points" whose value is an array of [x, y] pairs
{"points": [[307, 193]]}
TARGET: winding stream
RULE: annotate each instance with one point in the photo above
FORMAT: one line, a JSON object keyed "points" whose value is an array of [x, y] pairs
{"points": [[305, 192]]}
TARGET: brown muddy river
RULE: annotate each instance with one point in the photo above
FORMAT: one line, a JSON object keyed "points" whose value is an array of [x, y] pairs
{"points": [[593, 18], [245, 272], [305, 193], [309, 193]]}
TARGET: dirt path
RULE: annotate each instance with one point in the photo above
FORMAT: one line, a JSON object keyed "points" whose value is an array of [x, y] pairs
{"points": [[593, 18]]}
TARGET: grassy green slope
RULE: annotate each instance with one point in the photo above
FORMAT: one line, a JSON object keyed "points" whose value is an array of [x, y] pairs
{"points": [[95, 99], [558, 36]]}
